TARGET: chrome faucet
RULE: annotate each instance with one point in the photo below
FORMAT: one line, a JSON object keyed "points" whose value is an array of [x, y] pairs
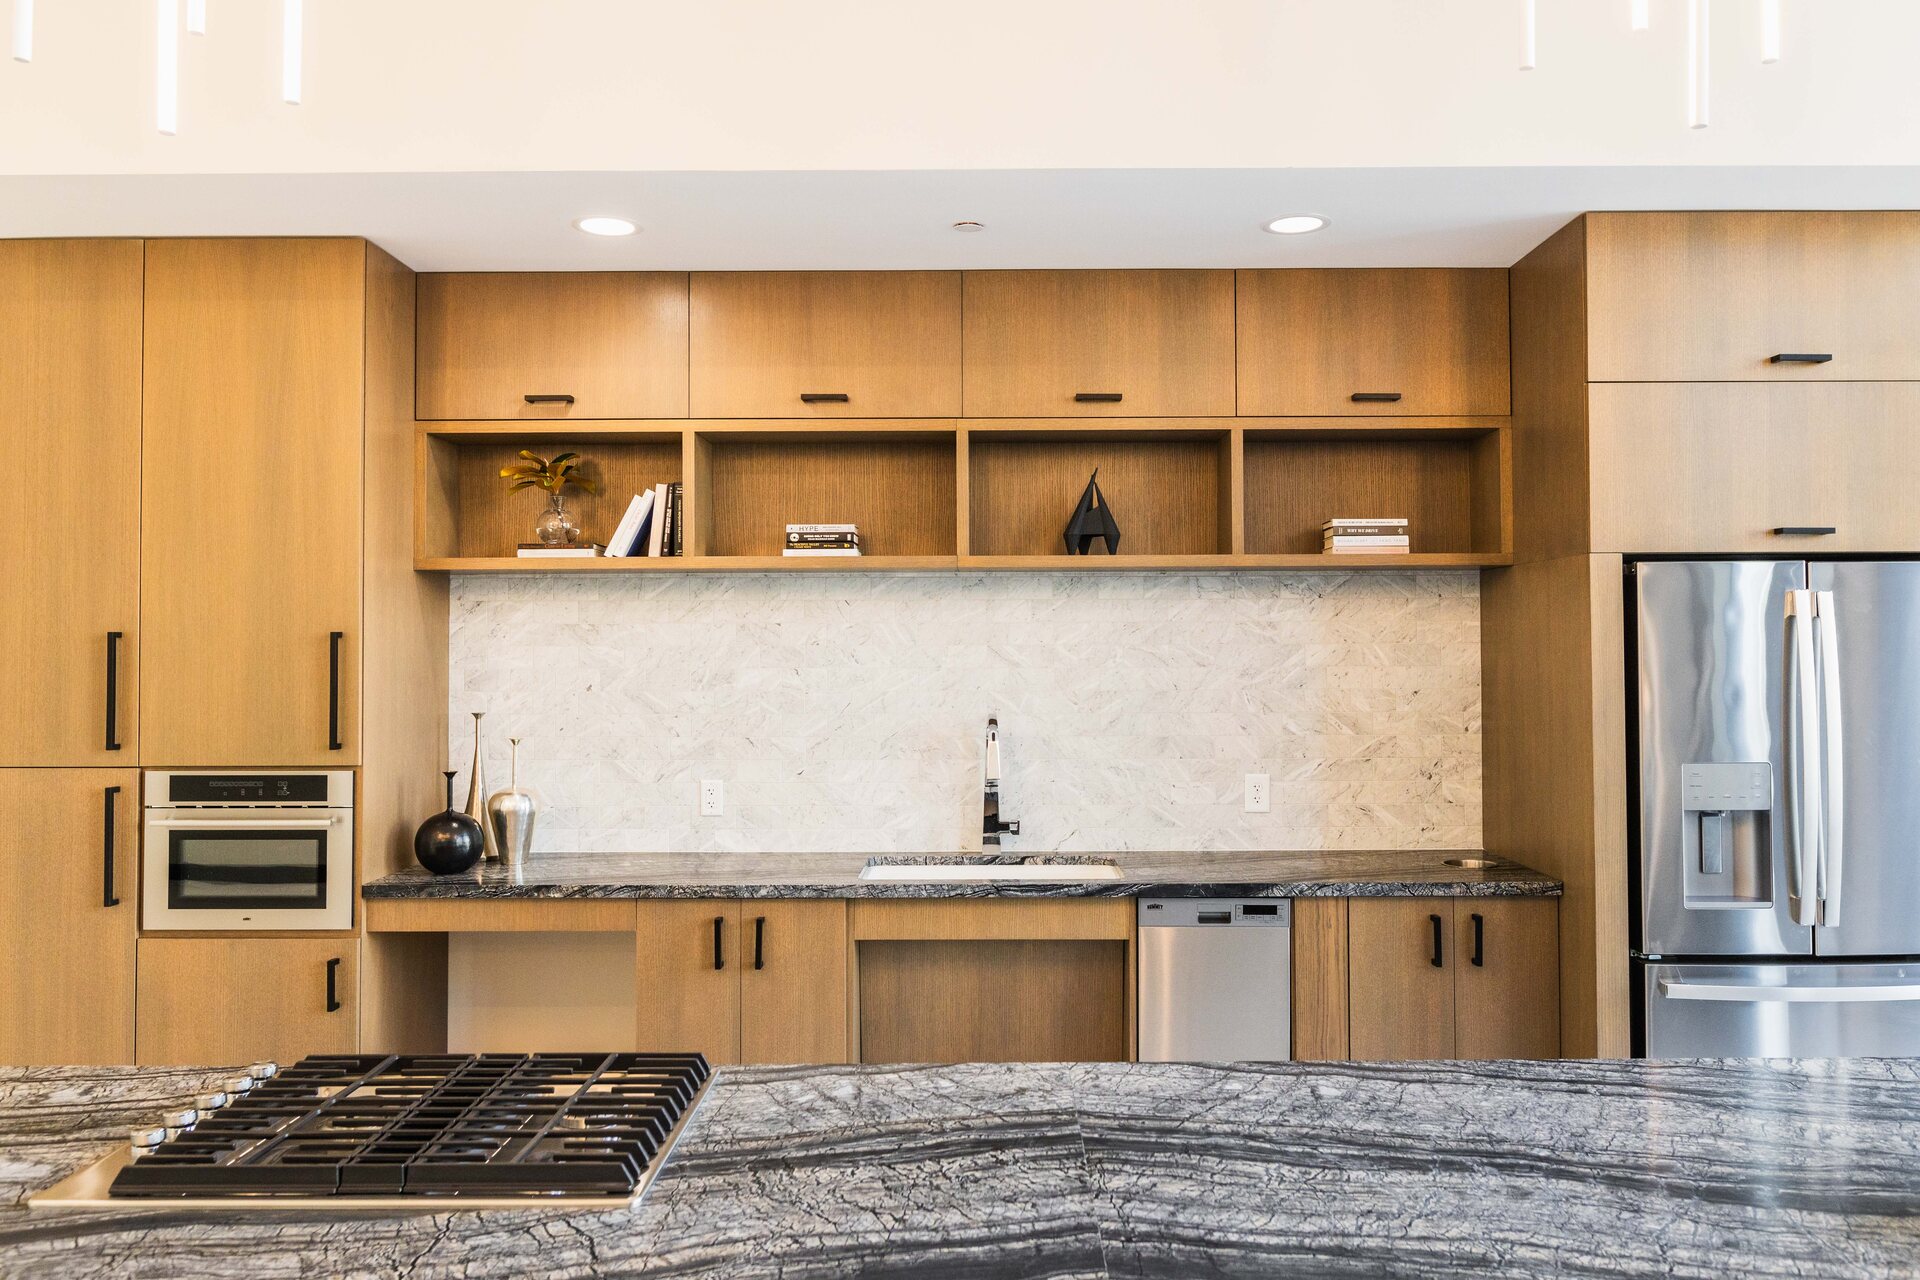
{"points": [[991, 828]]}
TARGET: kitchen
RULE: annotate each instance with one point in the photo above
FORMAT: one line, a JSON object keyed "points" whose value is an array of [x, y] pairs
{"points": [[897, 732]]}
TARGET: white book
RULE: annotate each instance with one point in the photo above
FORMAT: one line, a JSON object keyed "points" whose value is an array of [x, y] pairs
{"points": [[822, 528], [1365, 540], [557, 553], [632, 525], [659, 526], [1347, 522], [1365, 551], [832, 551]]}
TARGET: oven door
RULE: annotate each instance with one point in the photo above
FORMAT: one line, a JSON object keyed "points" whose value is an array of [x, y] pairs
{"points": [[248, 869]]}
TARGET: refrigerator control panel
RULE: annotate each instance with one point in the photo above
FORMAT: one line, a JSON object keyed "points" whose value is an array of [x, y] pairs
{"points": [[1722, 788]]}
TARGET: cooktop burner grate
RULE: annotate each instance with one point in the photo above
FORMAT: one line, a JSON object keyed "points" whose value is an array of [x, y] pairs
{"points": [[486, 1125]]}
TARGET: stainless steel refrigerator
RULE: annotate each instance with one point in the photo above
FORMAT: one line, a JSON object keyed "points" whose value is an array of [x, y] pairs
{"points": [[1777, 834]]}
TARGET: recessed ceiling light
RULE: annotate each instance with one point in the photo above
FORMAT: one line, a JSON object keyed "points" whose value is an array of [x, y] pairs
{"points": [[969, 226], [1297, 224], [604, 226]]}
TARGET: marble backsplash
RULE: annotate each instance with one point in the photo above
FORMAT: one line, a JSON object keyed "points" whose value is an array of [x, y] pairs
{"points": [[846, 711]]}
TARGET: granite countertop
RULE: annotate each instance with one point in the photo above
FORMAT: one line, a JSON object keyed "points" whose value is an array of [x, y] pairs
{"points": [[1342, 873], [1416, 1169]]}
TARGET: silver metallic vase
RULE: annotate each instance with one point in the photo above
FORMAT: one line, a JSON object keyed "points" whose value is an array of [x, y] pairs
{"points": [[477, 792], [510, 815]]}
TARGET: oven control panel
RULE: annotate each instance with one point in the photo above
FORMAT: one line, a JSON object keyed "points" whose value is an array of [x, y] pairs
{"points": [[181, 788]]}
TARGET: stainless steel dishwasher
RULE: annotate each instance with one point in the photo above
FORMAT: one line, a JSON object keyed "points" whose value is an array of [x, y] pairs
{"points": [[1216, 979]]}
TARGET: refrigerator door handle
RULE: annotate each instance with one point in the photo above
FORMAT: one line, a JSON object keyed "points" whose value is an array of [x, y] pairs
{"points": [[1867, 993], [1802, 759], [1832, 779]]}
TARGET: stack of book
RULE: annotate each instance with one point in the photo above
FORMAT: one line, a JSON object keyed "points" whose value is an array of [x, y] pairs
{"points": [[822, 540], [1365, 536], [541, 551], [653, 525]]}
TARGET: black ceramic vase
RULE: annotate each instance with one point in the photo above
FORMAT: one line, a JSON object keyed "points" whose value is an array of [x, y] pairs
{"points": [[451, 842]]}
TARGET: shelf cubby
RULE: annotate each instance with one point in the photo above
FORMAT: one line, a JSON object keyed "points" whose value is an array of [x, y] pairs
{"points": [[1169, 485]]}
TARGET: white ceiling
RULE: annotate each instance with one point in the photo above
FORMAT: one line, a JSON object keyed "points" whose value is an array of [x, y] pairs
{"points": [[850, 133]]}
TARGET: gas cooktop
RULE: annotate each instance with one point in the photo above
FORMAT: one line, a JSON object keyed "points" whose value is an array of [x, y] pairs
{"points": [[409, 1132]]}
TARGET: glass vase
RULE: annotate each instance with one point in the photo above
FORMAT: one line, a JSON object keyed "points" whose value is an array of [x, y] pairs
{"points": [[555, 527]]}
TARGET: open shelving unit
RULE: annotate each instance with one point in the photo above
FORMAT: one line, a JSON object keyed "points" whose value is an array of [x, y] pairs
{"points": [[973, 494]]}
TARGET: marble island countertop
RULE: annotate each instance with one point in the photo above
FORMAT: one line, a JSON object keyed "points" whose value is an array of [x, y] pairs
{"points": [[1109, 1170], [1343, 873]]}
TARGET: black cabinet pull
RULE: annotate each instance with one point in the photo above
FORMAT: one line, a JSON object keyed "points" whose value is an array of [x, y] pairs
{"points": [[719, 957], [1804, 530], [1479, 940], [333, 689], [823, 397], [759, 942], [1374, 397], [1801, 357], [113, 692], [333, 985], [548, 399], [1096, 397], [1436, 941], [106, 852]]}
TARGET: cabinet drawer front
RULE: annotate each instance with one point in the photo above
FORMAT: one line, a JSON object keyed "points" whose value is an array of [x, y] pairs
{"points": [[1698, 468], [1676, 297], [1373, 342], [1099, 343], [1401, 1000], [824, 344], [584, 344], [215, 1000]]}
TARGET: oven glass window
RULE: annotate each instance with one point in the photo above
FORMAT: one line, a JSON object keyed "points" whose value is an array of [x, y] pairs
{"points": [[238, 870]]}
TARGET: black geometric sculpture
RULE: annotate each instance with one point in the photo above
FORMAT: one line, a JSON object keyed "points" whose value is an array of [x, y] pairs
{"points": [[1092, 519]]}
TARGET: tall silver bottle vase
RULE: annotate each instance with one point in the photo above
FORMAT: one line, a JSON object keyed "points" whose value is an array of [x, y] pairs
{"points": [[510, 815], [477, 792]]}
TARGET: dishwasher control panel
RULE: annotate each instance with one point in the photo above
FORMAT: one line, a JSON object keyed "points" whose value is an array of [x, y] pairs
{"points": [[1275, 912]]}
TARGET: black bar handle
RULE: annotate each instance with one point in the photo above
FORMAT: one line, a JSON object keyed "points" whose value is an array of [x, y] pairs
{"points": [[1374, 397], [719, 956], [113, 692], [1436, 940], [1479, 940], [759, 942], [333, 985], [1804, 530], [1097, 397], [107, 898], [1801, 357], [563, 399], [824, 397], [333, 689]]}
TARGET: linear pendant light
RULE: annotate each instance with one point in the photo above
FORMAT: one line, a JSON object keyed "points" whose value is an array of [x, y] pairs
{"points": [[1769, 30], [23, 30], [291, 38], [1641, 19], [1530, 34], [196, 17], [166, 71], [1698, 13]]}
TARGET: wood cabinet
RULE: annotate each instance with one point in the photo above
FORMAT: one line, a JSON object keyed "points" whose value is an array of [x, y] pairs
{"points": [[1717, 297], [824, 344], [213, 1001], [68, 853], [1453, 978], [251, 502], [583, 344], [1099, 343], [760, 981], [70, 528], [1699, 468], [1324, 343]]}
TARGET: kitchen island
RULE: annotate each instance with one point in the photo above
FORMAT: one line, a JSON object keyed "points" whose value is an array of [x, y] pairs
{"points": [[1424, 1168]]}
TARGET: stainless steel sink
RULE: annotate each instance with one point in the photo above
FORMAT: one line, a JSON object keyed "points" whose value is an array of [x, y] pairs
{"points": [[1473, 864], [935, 870]]}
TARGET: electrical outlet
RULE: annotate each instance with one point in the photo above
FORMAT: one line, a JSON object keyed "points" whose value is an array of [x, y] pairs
{"points": [[713, 798], [1259, 793]]}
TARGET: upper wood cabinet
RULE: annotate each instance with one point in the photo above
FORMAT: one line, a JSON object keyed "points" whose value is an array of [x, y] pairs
{"points": [[1700, 468], [1321, 343], [581, 344], [826, 344], [1721, 297], [251, 502], [1052, 344], [70, 524], [68, 859], [238, 1000]]}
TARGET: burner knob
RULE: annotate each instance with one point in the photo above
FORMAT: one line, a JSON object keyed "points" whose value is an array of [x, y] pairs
{"points": [[179, 1122], [212, 1102], [145, 1140], [239, 1085], [260, 1072]]}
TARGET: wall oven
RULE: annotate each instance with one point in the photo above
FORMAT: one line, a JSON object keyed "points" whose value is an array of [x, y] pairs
{"points": [[228, 850]]}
